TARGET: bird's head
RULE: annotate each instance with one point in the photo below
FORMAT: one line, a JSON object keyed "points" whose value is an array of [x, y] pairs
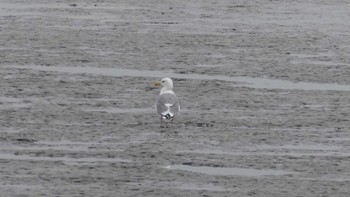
{"points": [[166, 84]]}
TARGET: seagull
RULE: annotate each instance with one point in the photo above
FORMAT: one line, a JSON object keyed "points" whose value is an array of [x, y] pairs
{"points": [[167, 105]]}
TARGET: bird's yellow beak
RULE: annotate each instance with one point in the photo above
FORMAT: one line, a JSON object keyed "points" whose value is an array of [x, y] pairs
{"points": [[157, 84]]}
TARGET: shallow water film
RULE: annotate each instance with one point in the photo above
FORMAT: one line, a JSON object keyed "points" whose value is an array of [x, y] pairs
{"points": [[263, 87]]}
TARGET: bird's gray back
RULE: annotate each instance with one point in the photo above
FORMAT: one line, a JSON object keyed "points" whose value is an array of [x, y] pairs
{"points": [[167, 98]]}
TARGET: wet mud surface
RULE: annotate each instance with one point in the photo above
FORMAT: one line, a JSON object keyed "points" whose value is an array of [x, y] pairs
{"points": [[264, 89]]}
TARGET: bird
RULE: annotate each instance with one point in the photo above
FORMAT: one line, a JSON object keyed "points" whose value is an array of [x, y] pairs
{"points": [[167, 105]]}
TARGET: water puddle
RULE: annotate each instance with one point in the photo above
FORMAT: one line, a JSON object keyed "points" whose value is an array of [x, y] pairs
{"points": [[6, 156], [76, 146], [10, 102], [86, 149], [310, 147], [336, 178], [243, 81], [9, 99], [209, 151], [283, 153], [314, 59], [229, 171], [315, 62], [10, 130], [318, 55], [193, 187], [340, 139], [330, 178], [66, 143], [21, 187], [45, 148], [198, 186], [121, 110], [21, 6], [207, 65], [15, 105]]}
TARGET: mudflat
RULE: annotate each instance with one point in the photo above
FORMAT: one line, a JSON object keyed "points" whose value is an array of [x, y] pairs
{"points": [[264, 89]]}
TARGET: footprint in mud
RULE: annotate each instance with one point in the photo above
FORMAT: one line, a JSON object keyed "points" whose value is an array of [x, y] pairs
{"points": [[164, 131], [24, 140], [203, 165], [199, 124]]}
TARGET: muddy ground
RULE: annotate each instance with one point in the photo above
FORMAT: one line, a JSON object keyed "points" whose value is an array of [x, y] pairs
{"points": [[85, 134]]}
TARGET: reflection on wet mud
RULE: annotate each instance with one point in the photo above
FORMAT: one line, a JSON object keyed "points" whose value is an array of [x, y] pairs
{"points": [[243, 81], [229, 171], [60, 159]]}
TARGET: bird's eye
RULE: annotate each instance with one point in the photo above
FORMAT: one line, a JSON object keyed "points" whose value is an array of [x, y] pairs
{"points": [[162, 81]]}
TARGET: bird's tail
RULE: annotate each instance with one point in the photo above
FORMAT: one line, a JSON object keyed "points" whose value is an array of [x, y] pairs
{"points": [[167, 115]]}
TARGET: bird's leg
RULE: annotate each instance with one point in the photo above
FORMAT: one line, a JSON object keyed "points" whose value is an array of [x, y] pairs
{"points": [[161, 122]]}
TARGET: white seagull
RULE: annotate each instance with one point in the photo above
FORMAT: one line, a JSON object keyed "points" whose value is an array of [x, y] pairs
{"points": [[167, 105]]}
